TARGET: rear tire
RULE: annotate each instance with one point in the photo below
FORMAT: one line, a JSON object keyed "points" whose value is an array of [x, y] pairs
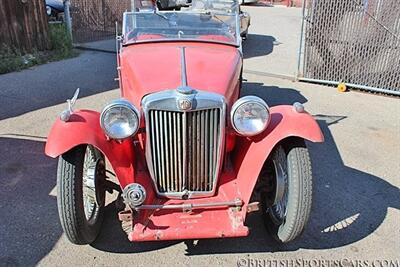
{"points": [[287, 224], [70, 196]]}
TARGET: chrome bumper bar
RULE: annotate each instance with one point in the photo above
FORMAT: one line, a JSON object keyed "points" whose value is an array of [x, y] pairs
{"points": [[191, 206]]}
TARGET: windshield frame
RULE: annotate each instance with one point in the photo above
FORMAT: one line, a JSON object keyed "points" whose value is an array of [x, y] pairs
{"points": [[237, 43]]}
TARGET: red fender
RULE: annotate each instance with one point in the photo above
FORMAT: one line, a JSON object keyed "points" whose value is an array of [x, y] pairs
{"points": [[251, 153], [84, 128]]}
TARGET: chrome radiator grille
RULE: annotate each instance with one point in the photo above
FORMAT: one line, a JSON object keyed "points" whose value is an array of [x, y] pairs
{"points": [[184, 149]]}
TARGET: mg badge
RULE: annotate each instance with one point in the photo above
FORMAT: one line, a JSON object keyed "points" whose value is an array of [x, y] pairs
{"points": [[184, 104]]}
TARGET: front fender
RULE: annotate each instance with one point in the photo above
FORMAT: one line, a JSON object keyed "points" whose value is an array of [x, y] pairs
{"points": [[84, 128], [251, 153]]}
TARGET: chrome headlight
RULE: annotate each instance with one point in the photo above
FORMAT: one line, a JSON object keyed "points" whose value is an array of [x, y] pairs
{"points": [[250, 115], [120, 119]]}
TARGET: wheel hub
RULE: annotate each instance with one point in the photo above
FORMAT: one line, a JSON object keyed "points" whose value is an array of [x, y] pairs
{"points": [[92, 187], [95, 177]]}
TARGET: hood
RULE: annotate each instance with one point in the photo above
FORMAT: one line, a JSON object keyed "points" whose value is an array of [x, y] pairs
{"points": [[149, 68]]}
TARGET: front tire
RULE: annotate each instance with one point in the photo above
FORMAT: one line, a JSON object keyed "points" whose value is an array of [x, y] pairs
{"points": [[75, 195], [286, 206]]}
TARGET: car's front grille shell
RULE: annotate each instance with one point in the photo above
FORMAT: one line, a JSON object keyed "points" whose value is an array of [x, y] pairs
{"points": [[184, 148]]}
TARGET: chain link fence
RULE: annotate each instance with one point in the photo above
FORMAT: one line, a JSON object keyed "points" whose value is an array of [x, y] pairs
{"points": [[356, 42], [94, 20]]}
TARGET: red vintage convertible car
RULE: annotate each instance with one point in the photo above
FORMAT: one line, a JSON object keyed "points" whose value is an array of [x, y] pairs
{"points": [[192, 158]]}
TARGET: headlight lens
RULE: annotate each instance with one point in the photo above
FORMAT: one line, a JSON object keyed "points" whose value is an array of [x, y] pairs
{"points": [[120, 119], [250, 115], [48, 10]]}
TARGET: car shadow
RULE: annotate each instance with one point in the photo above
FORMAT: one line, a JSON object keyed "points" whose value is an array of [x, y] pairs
{"points": [[257, 45], [273, 95]]}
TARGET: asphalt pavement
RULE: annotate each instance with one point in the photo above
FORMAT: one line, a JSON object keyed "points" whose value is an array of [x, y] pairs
{"points": [[356, 210]]}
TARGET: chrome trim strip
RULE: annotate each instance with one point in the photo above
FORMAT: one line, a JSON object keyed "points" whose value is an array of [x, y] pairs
{"points": [[183, 68], [184, 88], [184, 151]]}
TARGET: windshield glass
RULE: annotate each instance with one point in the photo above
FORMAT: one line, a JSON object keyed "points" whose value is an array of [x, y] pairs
{"points": [[181, 25]]}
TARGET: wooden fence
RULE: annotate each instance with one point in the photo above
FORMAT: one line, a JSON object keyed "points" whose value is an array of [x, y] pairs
{"points": [[23, 24]]}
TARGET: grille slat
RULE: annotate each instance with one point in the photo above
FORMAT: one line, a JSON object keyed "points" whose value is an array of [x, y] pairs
{"points": [[162, 166], [175, 149], [166, 147], [157, 142], [161, 144], [211, 145], [197, 137], [184, 149], [180, 150], [153, 133], [206, 155], [202, 155], [193, 173], [215, 138]]}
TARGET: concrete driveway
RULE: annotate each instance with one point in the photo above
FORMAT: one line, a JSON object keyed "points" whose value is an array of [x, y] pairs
{"points": [[357, 198]]}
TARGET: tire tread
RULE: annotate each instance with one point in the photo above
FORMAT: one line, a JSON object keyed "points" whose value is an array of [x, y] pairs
{"points": [[300, 193], [69, 202], [301, 168]]}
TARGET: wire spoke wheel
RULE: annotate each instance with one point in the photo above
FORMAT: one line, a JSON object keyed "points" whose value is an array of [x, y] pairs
{"points": [[89, 184], [81, 193]]}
